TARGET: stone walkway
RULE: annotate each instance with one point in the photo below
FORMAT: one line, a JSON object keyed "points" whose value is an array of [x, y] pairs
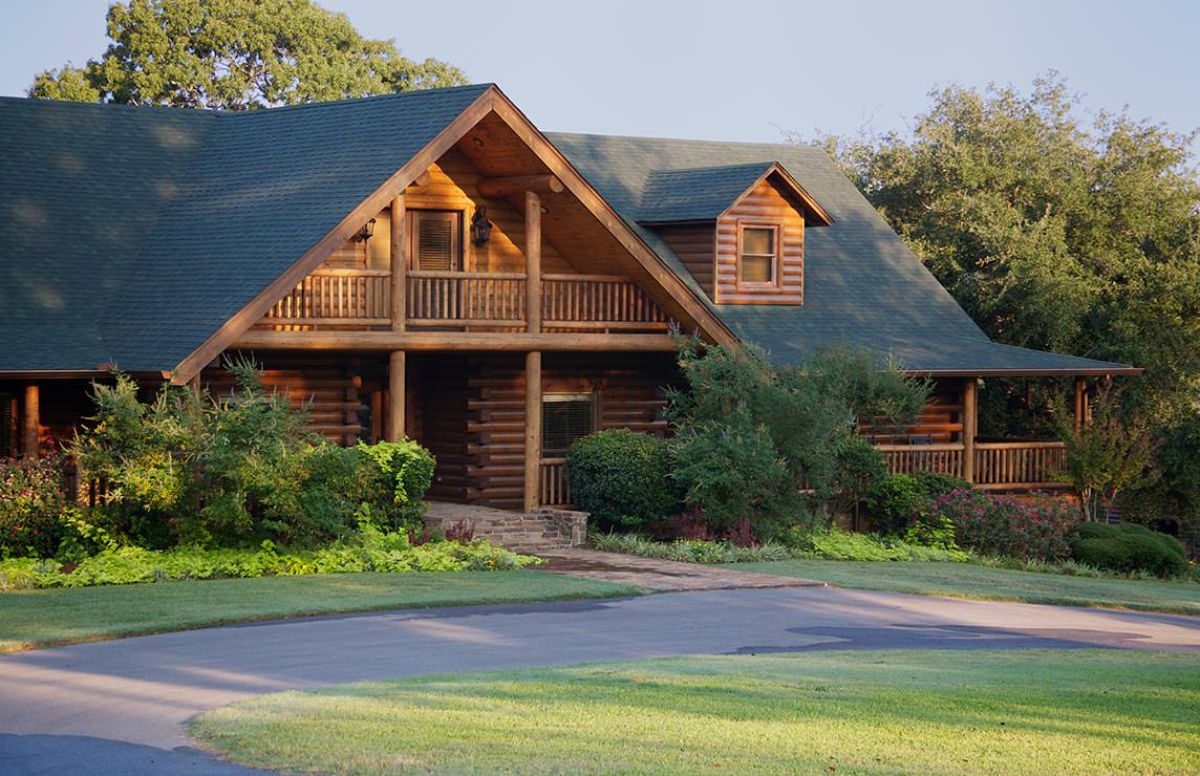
{"points": [[661, 575]]}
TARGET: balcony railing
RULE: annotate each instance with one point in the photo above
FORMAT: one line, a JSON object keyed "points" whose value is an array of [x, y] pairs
{"points": [[477, 300], [998, 465], [554, 490], [332, 296]]}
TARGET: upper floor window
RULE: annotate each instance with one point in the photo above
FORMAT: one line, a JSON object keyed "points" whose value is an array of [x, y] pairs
{"points": [[437, 237], [758, 254]]}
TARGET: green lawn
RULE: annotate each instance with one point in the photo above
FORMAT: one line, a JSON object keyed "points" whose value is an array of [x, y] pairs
{"points": [[43, 617], [966, 580], [963, 712]]}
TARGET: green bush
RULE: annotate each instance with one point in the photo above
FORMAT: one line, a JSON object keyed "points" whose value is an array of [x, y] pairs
{"points": [[688, 550], [622, 479], [1129, 548], [407, 470], [898, 501], [1003, 525], [832, 544], [372, 550], [32, 506]]}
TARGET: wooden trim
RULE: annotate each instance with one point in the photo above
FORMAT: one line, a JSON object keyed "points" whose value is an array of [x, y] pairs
{"points": [[970, 418], [326, 322], [31, 427], [324, 248], [399, 262], [494, 188], [385, 341], [533, 262], [774, 285], [1130, 371], [678, 293], [822, 216], [397, 365], [533, 429]]}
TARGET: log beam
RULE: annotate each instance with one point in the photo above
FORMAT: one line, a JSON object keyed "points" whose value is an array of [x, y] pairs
{"points": [[397, 364], [386, 341], [399, 245], [516, 184], [31, 431], [533, 262], [970, 426], [533, 429]]}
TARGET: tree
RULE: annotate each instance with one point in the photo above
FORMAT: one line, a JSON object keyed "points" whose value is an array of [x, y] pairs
{"points": [[236, 55], [1053, 233]]}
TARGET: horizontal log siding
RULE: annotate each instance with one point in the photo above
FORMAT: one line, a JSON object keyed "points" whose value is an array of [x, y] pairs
{"points": [[941, 420], [695, 247], [763, 204], [627, 390]]}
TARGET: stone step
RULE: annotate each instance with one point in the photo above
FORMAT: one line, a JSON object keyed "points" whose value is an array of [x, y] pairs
{"points": [[541, 528]]}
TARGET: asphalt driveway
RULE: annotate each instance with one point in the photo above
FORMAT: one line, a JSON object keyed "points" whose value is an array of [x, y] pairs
{"points": [[120, 706]]}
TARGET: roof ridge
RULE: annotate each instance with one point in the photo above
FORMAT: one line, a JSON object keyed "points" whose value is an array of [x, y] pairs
{"points": [[687, 140]]}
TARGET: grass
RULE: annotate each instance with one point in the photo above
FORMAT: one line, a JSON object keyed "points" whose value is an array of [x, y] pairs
{"points": [[37, 618], [968, 580], [969, 712]]}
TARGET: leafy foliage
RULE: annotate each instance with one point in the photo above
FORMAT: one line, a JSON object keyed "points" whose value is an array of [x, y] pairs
{"points": [[897, 501], [752, 437], [1129, 548], [622, 479], [1004, 525], [832, 544], [234, 470], [31, 503], [237, 54], [688, 550], [370, 550]]}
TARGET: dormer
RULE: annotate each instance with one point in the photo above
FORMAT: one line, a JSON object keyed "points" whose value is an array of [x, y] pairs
{"points": [[738, 229]]}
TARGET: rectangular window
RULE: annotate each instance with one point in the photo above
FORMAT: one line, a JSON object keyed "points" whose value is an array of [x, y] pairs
{"points": [[758, 253], [566, 417], [436, 240]]}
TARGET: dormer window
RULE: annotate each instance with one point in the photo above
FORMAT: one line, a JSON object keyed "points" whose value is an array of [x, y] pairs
{"points": [[758, 254]]}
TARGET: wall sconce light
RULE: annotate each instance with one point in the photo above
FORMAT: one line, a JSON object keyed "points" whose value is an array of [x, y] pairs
{"points": [[481, 227], [366, 232]]}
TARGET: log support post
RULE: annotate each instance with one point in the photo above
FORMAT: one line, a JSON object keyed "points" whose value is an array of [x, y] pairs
{"points": [[970, 427], [397, 364], [399, 267], [1081, 404], [533, 262], [31, 423], [533, 429]]}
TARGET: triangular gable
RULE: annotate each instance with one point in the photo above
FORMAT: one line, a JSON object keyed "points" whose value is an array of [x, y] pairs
{"points": [[703, 194], [492, 100], [814, 214]]}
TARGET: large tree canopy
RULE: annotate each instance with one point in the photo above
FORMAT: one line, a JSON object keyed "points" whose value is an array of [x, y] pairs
{"points": [[1052, 232], [237, 54]]}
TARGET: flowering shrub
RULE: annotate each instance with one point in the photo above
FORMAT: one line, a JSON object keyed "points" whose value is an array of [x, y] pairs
{"points": [[1003, 525], [31, 502]]}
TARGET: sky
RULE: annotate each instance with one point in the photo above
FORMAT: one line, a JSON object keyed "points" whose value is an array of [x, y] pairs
{"points": [[748, 70]]}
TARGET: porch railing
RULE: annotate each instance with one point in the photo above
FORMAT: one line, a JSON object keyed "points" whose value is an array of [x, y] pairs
{"points": [[1000, 465], [598, 302], [336, 296], [554, 490], [465, 298], [937, 458]]}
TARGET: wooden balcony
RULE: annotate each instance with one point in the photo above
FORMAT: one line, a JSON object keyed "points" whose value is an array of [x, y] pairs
{"points": [[998, 465], [343, 299]]}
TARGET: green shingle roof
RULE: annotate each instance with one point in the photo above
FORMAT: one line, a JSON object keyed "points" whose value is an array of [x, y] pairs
{"points": [[129, 235], [863, 286], [696, 194]]}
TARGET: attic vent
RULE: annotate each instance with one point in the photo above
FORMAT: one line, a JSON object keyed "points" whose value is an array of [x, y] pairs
{"points": [[436, 235]]}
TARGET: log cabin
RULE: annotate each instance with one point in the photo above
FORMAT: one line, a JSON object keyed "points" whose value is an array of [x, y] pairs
{"points": [[431, 264]]}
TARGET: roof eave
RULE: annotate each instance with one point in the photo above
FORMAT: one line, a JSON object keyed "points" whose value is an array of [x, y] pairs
{"points": [[1127, 371]]}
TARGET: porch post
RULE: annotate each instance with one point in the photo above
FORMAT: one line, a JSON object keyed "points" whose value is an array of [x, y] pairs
{"points": [[970, 427], [1081, 403], [399, 268], [396, 398], [31, 423], [533, 429], [533, 263]]}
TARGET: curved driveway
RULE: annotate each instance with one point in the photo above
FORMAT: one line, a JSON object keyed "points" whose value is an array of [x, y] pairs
{"points": [[120, 706]]}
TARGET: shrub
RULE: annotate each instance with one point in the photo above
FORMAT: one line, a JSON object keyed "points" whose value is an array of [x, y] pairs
{"points": [[1003, 525], [622, 479], [832, 544], [408, 471], [32, 505], [1129, 548], [371, 550], [895, 501], [688, 550], [935, 484]]}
